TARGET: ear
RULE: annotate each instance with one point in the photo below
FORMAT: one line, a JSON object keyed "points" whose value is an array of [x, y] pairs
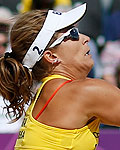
{"points": [[49, 56]]}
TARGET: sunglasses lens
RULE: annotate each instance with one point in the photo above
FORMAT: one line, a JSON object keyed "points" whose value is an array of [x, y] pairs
{"points": [[74, 34]]}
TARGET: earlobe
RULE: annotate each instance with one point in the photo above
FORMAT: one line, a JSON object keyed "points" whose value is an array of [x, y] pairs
{"points": [[56, 61]]}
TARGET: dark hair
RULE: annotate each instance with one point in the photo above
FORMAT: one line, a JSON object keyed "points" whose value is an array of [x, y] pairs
{"points": [[16, 81]]}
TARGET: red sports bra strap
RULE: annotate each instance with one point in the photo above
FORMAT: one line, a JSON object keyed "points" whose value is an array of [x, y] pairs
{"points": [[51, 98]]}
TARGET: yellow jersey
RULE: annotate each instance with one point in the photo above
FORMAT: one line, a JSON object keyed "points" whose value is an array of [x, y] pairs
{"points": [[34, 135]]}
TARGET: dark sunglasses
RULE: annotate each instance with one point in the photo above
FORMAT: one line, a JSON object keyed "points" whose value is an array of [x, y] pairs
{"points": [[72, 33]]}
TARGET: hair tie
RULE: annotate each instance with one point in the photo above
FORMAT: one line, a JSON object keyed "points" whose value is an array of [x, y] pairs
{"points": [[8, 55], [30, 69]]}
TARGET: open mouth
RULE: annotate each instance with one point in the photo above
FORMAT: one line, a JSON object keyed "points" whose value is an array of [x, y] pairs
{"points": [[88, 53]]}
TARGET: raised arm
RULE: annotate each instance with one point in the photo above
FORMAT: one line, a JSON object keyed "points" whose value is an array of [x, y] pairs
{"points": [[104, 102]]}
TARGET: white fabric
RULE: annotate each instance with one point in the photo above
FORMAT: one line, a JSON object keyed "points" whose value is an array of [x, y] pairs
{"points": [[60, 39], [54, 22]]}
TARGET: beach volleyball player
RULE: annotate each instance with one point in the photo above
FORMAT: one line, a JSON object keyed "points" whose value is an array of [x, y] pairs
{"points": [[67, 109]]}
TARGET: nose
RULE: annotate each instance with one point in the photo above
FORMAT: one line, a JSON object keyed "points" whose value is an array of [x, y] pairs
{"points": [[85, 38]]}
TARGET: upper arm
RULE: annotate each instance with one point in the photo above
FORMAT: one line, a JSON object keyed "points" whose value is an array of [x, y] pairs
{"points": [[104, 102]]}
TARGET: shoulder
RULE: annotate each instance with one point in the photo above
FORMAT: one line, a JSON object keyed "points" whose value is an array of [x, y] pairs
{"points": [[98, 92], [99, 85], [96, 97], [93, 90], [96, 84], [91, 84]]}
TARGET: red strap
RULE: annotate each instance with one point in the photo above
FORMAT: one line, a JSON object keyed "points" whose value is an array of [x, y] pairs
{"points": [[51, 99]]}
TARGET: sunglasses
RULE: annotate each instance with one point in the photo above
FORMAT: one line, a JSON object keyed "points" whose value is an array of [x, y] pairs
{"points": [[4, 44], [72, 33]]}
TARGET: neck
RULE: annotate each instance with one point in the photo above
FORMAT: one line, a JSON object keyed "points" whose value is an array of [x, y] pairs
{"points": [[72, 73]]}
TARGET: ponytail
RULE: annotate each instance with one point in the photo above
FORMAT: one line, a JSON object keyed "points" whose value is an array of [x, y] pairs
{"points": [[15, 86], [15, 80]]}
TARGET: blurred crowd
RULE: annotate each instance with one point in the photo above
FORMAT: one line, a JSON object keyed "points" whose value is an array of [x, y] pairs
{"points": [[101, 23]]}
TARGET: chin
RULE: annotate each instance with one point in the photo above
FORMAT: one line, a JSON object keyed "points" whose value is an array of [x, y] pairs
{"points": [[91, 64]]}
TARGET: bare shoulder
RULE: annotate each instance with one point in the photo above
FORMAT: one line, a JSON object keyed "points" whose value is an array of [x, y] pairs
{"points": [[98, 98], [97, 85], [93, 90], [91, 84], [103, 101]]}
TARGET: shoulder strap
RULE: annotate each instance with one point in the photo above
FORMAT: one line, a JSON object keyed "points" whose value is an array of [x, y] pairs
{"points": [[51, 98]]}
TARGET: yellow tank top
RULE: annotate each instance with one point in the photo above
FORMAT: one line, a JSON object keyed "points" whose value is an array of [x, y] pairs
{"points": [[34, 135]]}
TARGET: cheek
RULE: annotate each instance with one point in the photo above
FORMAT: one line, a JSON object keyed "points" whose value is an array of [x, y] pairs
{"points": [[83, 61], [70, 51], [64, 51]]}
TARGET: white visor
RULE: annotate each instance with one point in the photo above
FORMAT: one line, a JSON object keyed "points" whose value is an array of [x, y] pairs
{"points": [[54, 21]]}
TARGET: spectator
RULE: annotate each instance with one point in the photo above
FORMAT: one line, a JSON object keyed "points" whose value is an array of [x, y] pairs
{"points": [[61, 5], [3, 43], [5, 22], [5, 15], [110, 56]]}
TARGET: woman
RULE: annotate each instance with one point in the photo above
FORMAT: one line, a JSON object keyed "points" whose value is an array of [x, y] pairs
{"points": [[68, 107]]}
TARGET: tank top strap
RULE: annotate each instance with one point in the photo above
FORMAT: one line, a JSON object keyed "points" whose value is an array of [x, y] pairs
{"points": [[46, 79], [43, 82]]}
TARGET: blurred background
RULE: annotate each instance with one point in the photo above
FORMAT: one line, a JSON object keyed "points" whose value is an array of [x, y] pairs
{"points": [[101, 23]]}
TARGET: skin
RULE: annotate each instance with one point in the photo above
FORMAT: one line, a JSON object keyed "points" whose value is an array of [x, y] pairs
{"points": [[3, 39], [83, 99]]}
